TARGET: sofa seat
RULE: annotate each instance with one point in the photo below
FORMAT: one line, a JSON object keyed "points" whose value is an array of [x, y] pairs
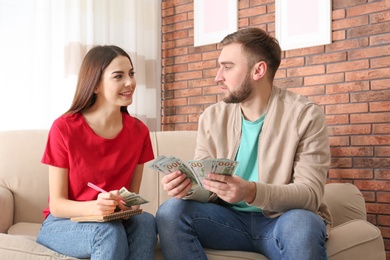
{"points": [[24, 192]]}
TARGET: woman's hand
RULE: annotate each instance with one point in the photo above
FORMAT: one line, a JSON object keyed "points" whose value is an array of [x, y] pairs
{"points": [[123, 207], [107, 202]]}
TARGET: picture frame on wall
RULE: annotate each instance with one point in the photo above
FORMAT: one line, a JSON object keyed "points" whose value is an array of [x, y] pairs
{"points": [[213, 20], [303, 23]]}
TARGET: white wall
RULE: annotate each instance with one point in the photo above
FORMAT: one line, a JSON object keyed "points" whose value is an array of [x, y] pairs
{"points": [[42, 43]]}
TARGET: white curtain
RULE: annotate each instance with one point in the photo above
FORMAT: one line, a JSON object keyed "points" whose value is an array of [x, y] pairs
{"points": [[42, 44]]}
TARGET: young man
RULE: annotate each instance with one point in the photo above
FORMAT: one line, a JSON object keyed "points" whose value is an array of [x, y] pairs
{"points": [[273, 203]]}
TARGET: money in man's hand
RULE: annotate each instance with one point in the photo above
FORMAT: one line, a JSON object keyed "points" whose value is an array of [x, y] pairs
{"points": [[196, 170]]}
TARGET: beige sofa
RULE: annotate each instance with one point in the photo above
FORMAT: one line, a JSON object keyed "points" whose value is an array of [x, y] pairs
{"points": [[24, 192]]}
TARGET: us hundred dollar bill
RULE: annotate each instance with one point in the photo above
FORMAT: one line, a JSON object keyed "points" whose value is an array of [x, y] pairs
{"points": [[172, 164], [196, 170], [131, 198]]}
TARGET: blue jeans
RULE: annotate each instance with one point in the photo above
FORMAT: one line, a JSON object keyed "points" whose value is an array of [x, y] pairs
{"points": [[186, 227], [134, 238]]}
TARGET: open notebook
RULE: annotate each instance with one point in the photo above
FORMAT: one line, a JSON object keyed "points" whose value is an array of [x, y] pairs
{"points": [[109, 217]]}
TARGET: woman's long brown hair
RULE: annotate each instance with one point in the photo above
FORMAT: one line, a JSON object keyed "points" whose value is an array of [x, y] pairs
{"points": [[91, 70]]}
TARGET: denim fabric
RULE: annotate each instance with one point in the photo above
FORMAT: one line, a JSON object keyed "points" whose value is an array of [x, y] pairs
{"points": [[185, 227], [134, 238]]}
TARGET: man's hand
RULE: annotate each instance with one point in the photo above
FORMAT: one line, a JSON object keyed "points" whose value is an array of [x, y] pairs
{"points": [[231, 189], [176, 184]]}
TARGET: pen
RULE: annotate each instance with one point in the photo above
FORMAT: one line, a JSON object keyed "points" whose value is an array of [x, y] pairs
{"points": [[97, 188]]}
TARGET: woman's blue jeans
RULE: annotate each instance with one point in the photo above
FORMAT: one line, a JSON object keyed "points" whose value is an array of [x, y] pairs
{"points": [[186, 227], [134, 238]]}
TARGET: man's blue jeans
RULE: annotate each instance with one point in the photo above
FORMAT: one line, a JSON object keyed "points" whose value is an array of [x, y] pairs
{"points": [[185, 227], [134, 238]]}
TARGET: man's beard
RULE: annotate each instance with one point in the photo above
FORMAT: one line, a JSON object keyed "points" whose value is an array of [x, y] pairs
{"points": [[240, 94]]}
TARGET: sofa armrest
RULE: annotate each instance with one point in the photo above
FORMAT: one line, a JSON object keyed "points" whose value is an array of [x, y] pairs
{"points": [[7, 209], [356, 239], [345, 202]]}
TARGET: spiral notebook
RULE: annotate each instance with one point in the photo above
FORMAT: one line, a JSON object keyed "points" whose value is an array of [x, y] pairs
{"points": [[109, 217]]}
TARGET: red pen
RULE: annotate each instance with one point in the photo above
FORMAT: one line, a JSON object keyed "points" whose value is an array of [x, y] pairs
{"points": [[93, 186]]}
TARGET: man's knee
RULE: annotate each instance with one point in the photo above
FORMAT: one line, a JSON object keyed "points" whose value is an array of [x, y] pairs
{"points": [[170, 208], [299, 222]]}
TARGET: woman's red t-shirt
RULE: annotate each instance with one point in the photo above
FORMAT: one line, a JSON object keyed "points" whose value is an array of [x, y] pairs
{"points": [[108, 163]]}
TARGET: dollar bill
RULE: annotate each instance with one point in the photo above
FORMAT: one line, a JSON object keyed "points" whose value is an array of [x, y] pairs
{"points": [[223, 166], [196, 170], [172, 164], [156, 162], [201, 168], [131, 198]]}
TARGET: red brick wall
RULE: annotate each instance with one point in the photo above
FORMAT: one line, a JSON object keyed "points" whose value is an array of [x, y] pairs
{"points": [[349, 78]]}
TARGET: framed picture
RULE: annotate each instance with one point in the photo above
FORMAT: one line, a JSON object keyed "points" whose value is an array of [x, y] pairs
{"points": [[213, 20], [303, 23]]}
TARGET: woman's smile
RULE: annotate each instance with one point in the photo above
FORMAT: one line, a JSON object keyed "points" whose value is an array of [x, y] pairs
{"points": [[127, 94]]}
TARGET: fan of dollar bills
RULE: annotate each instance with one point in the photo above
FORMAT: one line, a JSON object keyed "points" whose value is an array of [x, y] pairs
{"points": [[195, 170], [131, 198]]}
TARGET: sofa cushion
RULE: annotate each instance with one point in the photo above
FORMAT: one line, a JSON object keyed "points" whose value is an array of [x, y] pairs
{"points": [[20, 247], [25, 229], [226, 254]]}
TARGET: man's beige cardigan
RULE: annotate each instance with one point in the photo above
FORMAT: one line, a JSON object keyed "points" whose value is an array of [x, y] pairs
{"points": [[293, 152]]}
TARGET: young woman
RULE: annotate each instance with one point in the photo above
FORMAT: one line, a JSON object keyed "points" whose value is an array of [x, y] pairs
{"points": [[97, 141]]}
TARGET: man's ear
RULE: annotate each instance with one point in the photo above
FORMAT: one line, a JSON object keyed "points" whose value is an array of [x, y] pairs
{"points": [[260, 69]]}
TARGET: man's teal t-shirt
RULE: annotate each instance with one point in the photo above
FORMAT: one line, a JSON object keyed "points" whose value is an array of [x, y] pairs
{"points": [[247, 167]]}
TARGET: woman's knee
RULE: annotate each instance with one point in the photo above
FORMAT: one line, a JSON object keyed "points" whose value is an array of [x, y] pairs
{"points": [[112, 229], [146, 223], [145, 219]]}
